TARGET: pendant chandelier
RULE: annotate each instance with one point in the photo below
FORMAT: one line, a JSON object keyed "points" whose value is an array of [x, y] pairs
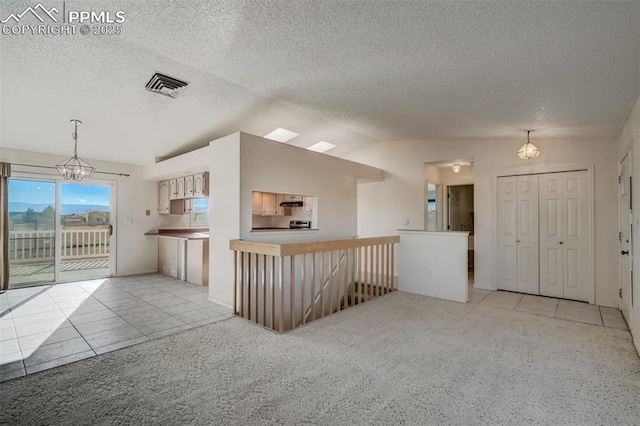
{"points": [[456, 168], [75, 168], [528, 151]]}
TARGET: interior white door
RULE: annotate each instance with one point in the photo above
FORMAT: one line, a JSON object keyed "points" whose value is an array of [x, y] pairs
{"points": [[551, 253], [527, 234], [576, 235], [507, 233], [625, 238], [565, 235]]}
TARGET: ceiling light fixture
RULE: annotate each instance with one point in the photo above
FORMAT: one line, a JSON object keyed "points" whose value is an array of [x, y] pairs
{"points": [[281, 135], [321, 146], [456, 168], [75, 168], [528, 151]]}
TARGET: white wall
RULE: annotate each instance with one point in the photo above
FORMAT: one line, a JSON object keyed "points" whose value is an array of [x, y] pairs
{"points": [[270, 166], [241, 163], [383, 206], [135, 253], [630, 141]]}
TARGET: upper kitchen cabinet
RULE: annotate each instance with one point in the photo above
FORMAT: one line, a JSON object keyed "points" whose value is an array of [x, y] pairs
{"points": [[173, 189], [307, 205], [180, 188], [201, 184], [164, 203], [188, 186], [268, 204], [256, 202]]}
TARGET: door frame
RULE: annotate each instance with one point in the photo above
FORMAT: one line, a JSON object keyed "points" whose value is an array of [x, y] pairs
{"points": [[537, 170], [629, 157], [58, 225]]}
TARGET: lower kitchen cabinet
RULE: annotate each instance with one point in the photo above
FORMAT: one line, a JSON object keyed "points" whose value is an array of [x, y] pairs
{"points": [[198, 262]]}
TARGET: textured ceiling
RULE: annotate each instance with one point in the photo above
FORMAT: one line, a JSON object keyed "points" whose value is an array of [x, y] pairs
{"points": [[349, 72]]}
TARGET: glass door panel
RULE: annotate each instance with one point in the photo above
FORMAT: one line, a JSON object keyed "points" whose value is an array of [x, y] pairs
{"points": [[32, 232], [85, 225]]}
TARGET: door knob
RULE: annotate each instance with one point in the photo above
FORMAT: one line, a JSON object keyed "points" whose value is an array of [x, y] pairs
{"points": [[625, 252]]}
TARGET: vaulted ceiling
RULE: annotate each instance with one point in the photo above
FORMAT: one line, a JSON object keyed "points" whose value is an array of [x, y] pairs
{"points": [[348, 72]]}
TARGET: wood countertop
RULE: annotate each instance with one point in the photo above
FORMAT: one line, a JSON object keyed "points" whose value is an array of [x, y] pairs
{"points": [[181, 234]]}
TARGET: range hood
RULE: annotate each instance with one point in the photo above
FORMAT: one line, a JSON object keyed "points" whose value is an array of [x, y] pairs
{"points": [[291, 204]]}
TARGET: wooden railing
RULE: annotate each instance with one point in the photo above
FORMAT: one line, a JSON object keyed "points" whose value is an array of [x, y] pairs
{"points": [[33, 246], [283, 286]]}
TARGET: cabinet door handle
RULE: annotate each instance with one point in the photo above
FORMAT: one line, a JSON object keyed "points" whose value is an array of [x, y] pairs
{"points": [[560, 242], [625, 252]]}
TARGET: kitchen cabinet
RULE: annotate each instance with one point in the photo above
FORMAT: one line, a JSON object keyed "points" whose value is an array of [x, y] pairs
{"points": [[173, 189], [188, 186], [198, 262], [256, 202], [179, 188], [183, 206], [164, 203], [279, 209], [268, 204], [201, 184], [307, 205], [171, 257]]}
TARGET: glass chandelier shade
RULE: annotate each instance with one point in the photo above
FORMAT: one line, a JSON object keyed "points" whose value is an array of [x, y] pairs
{"points": [[75, 168], [456, 168], [528, 151]]}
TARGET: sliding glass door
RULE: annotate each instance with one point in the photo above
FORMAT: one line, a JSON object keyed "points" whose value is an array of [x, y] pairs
{"points": [[85, 224], [32, 231], [58, 231]]}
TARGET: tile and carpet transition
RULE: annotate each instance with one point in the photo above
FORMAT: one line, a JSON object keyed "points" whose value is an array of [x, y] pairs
{"points": [[400, 359]]}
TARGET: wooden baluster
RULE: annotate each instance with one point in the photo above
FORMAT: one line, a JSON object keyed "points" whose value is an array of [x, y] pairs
{"points": [[322, 285], [331, 282], [393, 278], [359, 274], [378, 270], [242, 284], [256, 302], [370, 269], [346, 279], [292, 284], [249, 270], [273, 291], [313, 286], [281, 289], [235, 282], [303, 268], [264, 290], [338, 279]]}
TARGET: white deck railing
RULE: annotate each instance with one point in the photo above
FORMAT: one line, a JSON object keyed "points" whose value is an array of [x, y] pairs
{"points": [[29, 246]]}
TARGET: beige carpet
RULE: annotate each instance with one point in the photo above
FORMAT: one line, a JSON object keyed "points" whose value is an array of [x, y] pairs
{"points": [[400, 359]]}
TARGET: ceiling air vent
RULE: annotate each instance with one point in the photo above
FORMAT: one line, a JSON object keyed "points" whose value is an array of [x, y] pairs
{"points": [[165, 85]]}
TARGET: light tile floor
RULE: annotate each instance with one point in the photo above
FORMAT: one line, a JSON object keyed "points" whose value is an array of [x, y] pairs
{"points": [[46, 326], [550, 307]]}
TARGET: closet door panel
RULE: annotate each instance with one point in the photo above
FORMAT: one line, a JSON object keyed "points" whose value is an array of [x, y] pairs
{"points": [[507, 230], [577, 271], [527, 234], [551, 224]]}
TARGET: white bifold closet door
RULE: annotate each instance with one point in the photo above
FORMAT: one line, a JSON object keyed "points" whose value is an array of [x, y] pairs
{"points": [[565, 235], [518, 267]]}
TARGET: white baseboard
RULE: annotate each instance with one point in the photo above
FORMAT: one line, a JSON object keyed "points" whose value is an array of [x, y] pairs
{"points": [[220, 302], [127, 274]]}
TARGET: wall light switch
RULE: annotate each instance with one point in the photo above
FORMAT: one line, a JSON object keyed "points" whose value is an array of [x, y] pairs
{"points": [[406, 221], [128, 220]]}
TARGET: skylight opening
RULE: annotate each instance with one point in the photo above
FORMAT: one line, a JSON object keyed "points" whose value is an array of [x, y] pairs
{"points": [[281, 135], [321, 146]]}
